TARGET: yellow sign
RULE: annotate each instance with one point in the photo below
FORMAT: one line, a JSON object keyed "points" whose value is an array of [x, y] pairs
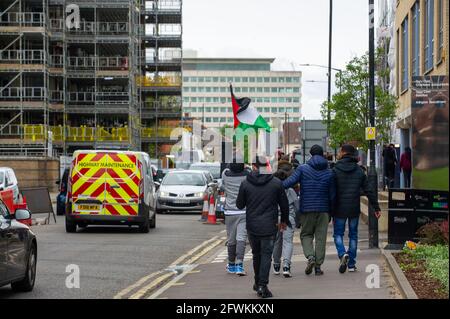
{"points": [[371, 133]]}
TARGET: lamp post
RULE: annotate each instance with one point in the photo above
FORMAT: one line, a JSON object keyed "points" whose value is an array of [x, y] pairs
{"points": [[330, 42], [372, 176]]}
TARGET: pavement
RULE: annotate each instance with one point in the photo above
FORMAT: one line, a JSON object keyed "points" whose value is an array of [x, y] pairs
{"points": [[208, 279]]}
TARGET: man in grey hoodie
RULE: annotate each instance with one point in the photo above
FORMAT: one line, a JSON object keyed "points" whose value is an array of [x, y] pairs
{"points": [[232, 178]]}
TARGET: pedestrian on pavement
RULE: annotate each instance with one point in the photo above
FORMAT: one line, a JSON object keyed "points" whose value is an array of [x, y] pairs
{"points": [[317, 192], [284, 242], [406, 166], [261, 194], [390, 161], [232, 177], [350, 180]]}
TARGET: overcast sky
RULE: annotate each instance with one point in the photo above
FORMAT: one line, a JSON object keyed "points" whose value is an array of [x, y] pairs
{"points": [[292, 31]]}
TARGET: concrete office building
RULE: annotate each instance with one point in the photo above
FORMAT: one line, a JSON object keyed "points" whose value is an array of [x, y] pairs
{"points": [[206, 92]]}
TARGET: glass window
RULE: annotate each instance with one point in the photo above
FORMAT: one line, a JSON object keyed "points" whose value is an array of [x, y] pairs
{"points": [[201, 79], [405, 54], [415, 39], [266, 90], [185, 79], [193, 99], [259, 109], [194, 109], [259, 79], [440, 30], [282, 100], [193, 79], [274, 90], [429, 34], [215, 89], [251, 79], [267, 109], [245, 79], [223, 79], [230, 120], [229, 79], [193, 89], [289, 110], [208, 79], [296, 90], [259, 99], [186, 89], [281, 109], [223, 89], [208, 119], [266, 80], [296, 100], [273, 110], [259, 90], [252, 90], [223, 109], [208, 100], [208, 109], [267, 100], [215, 79], [215, 119], [237, 79], [289, 80], [215, 109], [201, 99], [201, 89], [186, 99], [245, 89], [281, 80], [215, 99], [208, 89], [273, 100], [223, 119], [237, 89], [274, 79], [296, 80], [223, 100]]}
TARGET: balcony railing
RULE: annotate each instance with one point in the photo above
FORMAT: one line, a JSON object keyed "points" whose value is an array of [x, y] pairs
{"points": [[167, 81], [81, 62], [112, 27], [55, 96], [81, 97], [23, 56], [56, 25], [56, 61], [163, 5], [113, 63], [26, 93], [26, 19], [112, 97], [35, 132]]}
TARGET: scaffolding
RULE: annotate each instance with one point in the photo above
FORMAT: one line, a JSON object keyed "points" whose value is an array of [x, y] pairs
{"points": [[107, 83]]}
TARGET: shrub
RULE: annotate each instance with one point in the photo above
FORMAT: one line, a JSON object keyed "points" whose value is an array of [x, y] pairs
{"points": [[434, 233]]}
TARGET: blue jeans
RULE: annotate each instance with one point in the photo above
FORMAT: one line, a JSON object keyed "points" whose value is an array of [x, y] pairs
{"points": [[339, 229]]}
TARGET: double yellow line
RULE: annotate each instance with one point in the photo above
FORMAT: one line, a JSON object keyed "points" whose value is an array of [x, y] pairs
{"points": [[143, 287]]}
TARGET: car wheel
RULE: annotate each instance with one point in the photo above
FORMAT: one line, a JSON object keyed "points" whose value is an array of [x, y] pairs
{"points": [[71, 227], [153, 221], [145, 226], [27, 283]]}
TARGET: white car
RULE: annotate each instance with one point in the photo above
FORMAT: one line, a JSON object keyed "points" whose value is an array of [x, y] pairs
{"points": [[8, 180]]}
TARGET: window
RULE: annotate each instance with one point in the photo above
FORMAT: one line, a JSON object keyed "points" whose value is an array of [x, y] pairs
{"points": [[201, 99], [274, 80], [415, 39], [245, 89], [237, 79], [296, 90], [193, 79], [186, 99], [281, 80], [282, 100], [223, 119], [428, 34], [201, 89], [267, 109], [223, 100], [245, 79], [201, 79], [237, 90], [230, 120], [266, 90], [223, 79], [186, 79], [273, 110], [208, 120], [207, 79], [193, 89], [252, 90], [215, 119], [223, 109], [259, 90], [266, 79], [215, 99], [289, 80], [193, 99], [223, 89], [273, 100], [208, 109], [208, 89], [289, 110], [215, 79], [193, 109], [251, 79], [288, 100], [404, 52], [215, 89], [296, 100], [274, 90], [259, 79], [208, 100], [215, 109], [186, 89], [296, 80], [440, 30], [229, 79], [281, 109], [266, 100]]}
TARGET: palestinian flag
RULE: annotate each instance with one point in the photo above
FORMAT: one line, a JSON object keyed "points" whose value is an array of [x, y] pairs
{"points": [[246, 116]]}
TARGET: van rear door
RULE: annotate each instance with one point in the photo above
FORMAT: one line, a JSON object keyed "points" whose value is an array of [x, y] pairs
{"points": [[105, 183]]}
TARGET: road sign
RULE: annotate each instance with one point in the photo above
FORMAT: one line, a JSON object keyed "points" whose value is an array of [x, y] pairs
{"points": [[370, 133]]}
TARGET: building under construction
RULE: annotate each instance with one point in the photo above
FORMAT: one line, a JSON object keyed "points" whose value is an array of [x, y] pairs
{"points": [[89, 74]]}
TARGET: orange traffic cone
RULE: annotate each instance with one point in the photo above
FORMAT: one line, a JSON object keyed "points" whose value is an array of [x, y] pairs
{"points": [[205, 209], [212, 212]]}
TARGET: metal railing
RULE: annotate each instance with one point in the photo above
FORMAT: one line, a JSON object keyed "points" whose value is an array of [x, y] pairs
{"points": [[27, 93], [112, 27], [83, 97], [112, 97], [23, 56], [56, 25], [118, 63], [27, 19], [85, 27], [163, 5], [56, 61], [81, 62], [55, 96]]}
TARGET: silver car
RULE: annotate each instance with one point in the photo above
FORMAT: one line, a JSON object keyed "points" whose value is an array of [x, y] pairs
{"points": [[183, 191]]}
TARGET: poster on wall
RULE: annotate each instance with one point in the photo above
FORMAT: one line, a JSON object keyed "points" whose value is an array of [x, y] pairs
{"points": [[429, 112]]}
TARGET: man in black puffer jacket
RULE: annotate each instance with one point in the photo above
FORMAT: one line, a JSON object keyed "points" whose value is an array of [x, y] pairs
{"points": [[350, 180], [261, 194]]}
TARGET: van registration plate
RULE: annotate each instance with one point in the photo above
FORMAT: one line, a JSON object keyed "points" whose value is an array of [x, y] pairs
{"points": [[88, 207]]}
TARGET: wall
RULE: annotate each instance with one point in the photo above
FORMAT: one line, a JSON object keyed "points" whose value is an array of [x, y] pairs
{"points": [[34, 172]]}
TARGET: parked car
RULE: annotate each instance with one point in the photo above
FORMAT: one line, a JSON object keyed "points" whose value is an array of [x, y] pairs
{"points": [[160, 173], [61, 198], [18, 250], [183, 191], [111, 188], [213, 168], [8, 180]]}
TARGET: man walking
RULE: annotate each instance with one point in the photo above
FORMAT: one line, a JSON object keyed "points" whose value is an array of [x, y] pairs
{"points": [[350, 180], [317, 192], [232, 178], [261, 194]]}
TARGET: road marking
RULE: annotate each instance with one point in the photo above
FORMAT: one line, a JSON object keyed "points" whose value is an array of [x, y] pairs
{"points": [[136, 285], [141, 292], [157, 293], [178, 284], [194, 254]]}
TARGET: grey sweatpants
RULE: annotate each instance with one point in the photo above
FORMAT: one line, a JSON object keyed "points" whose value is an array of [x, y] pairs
{"points": [[284, 245], [237, 237]]}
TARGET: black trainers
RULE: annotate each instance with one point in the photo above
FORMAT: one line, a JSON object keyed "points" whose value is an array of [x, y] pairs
{"points": [[343, 264], [310, 265], [318, 271], [264, 292], [255, 287], [276, 269], [287, 272]]}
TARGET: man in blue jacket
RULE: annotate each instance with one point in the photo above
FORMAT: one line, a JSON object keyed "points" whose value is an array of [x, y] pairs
{"points": [[317, 193]]}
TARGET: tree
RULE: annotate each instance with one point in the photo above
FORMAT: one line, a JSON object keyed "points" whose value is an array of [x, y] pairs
{"points": [[349, 108]]}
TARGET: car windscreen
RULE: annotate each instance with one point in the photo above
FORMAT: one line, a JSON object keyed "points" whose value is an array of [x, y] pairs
{"points": [[214, 170], [184, 179], [2, 177]]}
